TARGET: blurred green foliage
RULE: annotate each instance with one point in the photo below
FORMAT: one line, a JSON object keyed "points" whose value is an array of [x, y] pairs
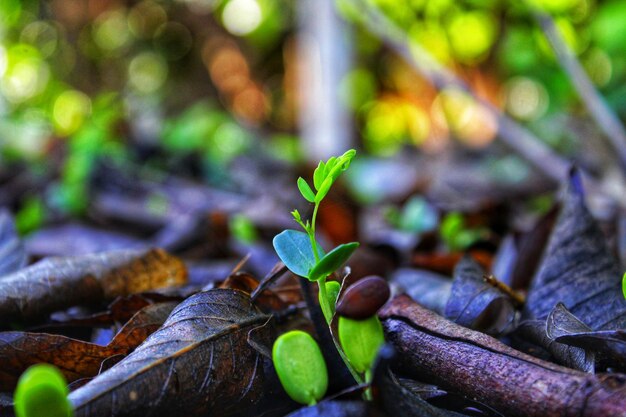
{"points": [[216, 78]]}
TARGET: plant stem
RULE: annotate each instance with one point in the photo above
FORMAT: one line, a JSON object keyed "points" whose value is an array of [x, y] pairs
{"points": [[327, 310], [312, 234], [325, 303], [368, 380]]}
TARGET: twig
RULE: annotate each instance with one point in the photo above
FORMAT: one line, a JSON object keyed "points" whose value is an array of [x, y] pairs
{"points": [[603, 115], [480, 367]]}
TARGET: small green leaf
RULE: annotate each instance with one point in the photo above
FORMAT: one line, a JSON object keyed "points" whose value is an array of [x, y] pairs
{"points": [[42, 391], [330, 164], [294, 249], [360, 340], [305, 190], [332, 261], [332, 291], [318, 175], [300, 367], [323, 190], [624, 285]]}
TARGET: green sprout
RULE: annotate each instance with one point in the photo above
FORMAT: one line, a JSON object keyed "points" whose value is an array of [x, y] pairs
{"points": [[303, 255], [42, 392], [299, 251], [457, 235], [300, 367], [624, 285]]}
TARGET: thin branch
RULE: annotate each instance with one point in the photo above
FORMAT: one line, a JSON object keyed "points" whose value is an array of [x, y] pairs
{"points": [[512, 133], [603, 115]]}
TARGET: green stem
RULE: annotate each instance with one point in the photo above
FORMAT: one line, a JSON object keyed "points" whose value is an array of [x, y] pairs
{"points": [[324, 302], [312, 234], [327, 311], [368, 380]]}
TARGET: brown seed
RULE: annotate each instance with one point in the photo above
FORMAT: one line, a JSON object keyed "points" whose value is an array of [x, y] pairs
{"points": [[362, 299]]}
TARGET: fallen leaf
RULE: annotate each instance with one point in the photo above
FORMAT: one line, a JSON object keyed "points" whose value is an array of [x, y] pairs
{"points": [[198, 363], [610, 346], [476, 304], [57, 283], [430, 289], [545, 332], [578, 269], [75, 358], [337, 409]]}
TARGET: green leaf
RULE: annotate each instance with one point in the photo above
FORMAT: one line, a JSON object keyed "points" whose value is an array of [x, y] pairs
{"points": [[300, 367], [305, 190], [360, 340], [332, 261], [323, 190], [294, 249], [624, 285], [330, 164], [42, 391], [318, 175]]}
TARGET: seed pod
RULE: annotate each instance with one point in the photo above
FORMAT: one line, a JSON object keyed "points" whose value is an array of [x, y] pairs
{"points": [[364, 298], [300, 367], [42, 391]]}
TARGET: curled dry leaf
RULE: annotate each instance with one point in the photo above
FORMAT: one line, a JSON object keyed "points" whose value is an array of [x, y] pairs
{"points": [[545, 332], [198, 363], [75, 358], [56, 283], [578, 269], [610, 345], [476, 304]]}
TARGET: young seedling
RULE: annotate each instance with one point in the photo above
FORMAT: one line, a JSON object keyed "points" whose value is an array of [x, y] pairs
{"points": [[300, 367], [299, 251], [42, 392], [304, 256]]}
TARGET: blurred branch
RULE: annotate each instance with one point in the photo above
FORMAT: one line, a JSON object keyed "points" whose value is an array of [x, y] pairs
{"points": [[324, 47], [604, 116], [512, 133]]}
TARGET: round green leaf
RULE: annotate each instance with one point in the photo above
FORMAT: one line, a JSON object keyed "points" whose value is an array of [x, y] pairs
{"points": [[360, 340], [332, 261], [294, 249], [300, 367], [42, 391]]}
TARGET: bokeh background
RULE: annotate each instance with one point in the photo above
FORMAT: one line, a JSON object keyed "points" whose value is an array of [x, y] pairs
{"points": [[190, 86]]}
